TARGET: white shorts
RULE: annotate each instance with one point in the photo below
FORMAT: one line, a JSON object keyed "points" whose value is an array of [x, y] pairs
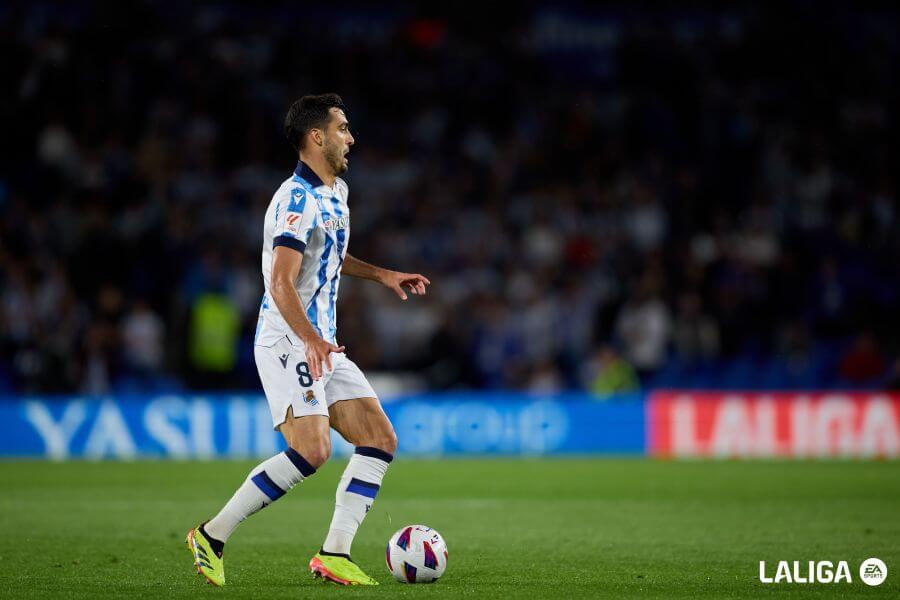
{"points": [[287, 381]]}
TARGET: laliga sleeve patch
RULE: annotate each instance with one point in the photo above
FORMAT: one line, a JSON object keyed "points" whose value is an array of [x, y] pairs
{"points": [[292, 222]]}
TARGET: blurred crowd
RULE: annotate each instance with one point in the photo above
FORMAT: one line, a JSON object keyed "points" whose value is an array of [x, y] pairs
{"points": [[603, 200]]}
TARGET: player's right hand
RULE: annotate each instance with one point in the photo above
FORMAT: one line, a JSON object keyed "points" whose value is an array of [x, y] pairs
{"points": [[317, 352]]}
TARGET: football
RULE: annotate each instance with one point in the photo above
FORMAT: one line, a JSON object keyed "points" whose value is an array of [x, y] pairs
{"points": [[416, 554]]}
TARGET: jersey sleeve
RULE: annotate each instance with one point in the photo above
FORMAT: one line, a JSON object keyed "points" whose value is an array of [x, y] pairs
{"points": [[295, 220]]}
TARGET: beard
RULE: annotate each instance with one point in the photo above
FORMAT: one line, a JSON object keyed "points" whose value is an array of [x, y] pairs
{"points": [[335, 159]]}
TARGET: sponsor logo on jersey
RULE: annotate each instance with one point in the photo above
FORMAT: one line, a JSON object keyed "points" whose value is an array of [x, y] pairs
{"points": [[336, 223], [284, 358]]}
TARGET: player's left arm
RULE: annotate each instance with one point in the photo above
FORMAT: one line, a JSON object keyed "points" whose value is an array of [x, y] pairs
{"points": [[394, 280]]}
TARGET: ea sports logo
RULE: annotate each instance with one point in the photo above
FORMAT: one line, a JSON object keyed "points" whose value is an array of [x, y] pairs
{"points": [[873, 571]]}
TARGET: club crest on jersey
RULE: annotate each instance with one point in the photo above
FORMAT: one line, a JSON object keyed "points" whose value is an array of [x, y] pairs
{"points": [[336, 223], [310, 398]]}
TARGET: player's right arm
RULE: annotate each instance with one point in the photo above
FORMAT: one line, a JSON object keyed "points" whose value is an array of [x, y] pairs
{"points": [[286, 264], [295, 222]]}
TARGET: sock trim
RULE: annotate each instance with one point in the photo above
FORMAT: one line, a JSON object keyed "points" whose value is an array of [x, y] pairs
{"points": [[323, 553], [301, 463], [218, 546], [268, 487], [374, 453], [363, 488]]}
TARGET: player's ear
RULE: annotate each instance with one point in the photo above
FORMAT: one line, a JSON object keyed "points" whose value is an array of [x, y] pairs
{"points": [[318, 136]]}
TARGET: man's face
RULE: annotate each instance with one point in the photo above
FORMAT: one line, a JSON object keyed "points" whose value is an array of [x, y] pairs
{"points": [[338, 140]]}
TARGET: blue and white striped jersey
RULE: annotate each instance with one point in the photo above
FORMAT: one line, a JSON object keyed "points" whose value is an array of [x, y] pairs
{"points": [[313, 219]]}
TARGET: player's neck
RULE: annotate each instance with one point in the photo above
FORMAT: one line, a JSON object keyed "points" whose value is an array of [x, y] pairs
{"points": [[320, 167]]}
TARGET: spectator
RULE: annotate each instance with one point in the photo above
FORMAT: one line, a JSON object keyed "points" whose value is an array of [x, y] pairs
{"points": [[214, 329], [863, 363], [545, 378], [773, 221], [695, 333], [644, 327], [892, 382], [142, 336], [608, 373]]}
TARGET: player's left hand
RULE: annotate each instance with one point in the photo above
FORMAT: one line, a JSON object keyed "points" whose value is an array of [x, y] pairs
{"points": [[413, 282]]}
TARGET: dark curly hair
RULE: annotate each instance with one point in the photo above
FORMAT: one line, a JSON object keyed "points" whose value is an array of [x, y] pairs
{"points": [[309, 112]]}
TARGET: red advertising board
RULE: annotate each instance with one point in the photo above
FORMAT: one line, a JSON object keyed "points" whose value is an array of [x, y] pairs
{"points": [[781, 424]]}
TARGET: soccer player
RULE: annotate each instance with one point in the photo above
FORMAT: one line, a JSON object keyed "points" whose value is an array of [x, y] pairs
{"points": [[309, 382]]}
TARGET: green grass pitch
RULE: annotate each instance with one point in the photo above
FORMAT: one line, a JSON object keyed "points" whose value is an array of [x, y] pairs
{"points": [[531, 528]]}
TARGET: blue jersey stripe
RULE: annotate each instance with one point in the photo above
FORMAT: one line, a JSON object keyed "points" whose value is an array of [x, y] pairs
{"points": [[325, 323], [332, 320], [312, 313], [341, 238]]}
